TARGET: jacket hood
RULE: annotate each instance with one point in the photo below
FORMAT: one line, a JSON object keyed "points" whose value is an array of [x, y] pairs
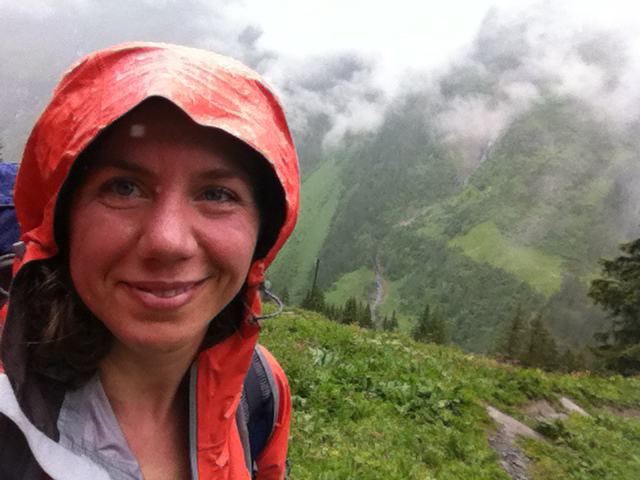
{"points": [[215, 91]]}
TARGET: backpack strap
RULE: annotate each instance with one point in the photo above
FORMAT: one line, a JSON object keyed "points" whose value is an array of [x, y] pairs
{"points": [[9, 230], [6, 264], [258, 405]]}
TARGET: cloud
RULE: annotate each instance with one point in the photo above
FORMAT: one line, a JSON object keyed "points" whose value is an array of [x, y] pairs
{"points": [[520, 56], [40, 39], [517, 54], [327, 96]]}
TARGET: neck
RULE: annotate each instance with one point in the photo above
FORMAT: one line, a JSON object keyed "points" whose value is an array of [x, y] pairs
{"points": [[150, 402], [144, 381]]}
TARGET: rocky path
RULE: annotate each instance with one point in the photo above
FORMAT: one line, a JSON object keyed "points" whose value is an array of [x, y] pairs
{"points": [[512, 459]]}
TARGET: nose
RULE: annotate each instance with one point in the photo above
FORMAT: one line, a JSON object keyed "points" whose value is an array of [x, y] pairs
{"points": [[167, 232]]}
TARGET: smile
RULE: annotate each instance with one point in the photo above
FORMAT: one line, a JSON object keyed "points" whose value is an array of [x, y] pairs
{"points": [[163, 295], [168, 293]]}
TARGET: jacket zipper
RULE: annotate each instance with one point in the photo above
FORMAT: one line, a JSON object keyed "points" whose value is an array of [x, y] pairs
{"points": [[193, 422]]}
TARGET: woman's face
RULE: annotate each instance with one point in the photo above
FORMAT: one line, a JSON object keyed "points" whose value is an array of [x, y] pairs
{"points": [[163, 231]]}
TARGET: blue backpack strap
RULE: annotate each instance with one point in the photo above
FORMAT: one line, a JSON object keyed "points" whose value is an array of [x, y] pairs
{"points": [[9, 230], [259, 404]]}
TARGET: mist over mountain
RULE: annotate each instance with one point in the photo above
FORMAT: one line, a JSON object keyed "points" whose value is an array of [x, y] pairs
{"points": [[492, 182], [493, 187]]}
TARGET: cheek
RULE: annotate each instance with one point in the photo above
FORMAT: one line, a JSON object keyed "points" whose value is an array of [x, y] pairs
{"points": [[233, 245], [94, 239]]}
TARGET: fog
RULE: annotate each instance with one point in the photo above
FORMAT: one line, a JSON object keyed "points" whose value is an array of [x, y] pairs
{"points": [[518, 50]]}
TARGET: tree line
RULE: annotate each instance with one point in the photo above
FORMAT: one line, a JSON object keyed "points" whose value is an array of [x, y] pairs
{"points": [[430, 327], [527, 339]]}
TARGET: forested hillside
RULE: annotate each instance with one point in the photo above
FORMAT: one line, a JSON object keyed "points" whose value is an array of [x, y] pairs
{"points": [[475, 198]]}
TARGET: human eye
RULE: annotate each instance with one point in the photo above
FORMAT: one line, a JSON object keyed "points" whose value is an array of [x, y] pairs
{"points": [[217, 194], [124, 187], [121, 192]]}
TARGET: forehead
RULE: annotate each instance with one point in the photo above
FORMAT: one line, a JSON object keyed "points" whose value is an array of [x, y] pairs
{"points": [[157, 124]]}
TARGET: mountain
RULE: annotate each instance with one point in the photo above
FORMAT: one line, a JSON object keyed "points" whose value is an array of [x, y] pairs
{"points": [[490, 188], [480, 223]]}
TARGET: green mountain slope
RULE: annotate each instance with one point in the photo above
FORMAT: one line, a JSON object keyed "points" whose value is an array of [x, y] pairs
{"points": [[523, 229], [321, 193], [371, 405]]}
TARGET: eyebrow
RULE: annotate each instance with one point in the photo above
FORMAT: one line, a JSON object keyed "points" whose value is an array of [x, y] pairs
{"points": [[119, 163], [211, 174]]}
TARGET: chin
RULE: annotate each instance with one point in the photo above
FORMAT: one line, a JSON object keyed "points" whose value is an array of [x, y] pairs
{"points": [[159, 339]]}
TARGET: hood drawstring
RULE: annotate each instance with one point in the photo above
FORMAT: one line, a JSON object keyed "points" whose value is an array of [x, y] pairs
{"points": [[264, 286]]}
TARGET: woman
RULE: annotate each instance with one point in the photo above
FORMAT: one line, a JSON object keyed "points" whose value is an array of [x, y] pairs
{"points": [[154, 190]]}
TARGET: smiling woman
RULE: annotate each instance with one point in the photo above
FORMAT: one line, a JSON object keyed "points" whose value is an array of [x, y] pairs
{"points": [[162, 230], [154, 190]]}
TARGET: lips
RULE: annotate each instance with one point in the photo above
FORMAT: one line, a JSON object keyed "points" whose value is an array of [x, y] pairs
{"points": [[163, 295], [168, 293]]}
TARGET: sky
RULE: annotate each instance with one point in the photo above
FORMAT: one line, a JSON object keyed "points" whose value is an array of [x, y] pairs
{"points": [[407, 34], [403, 33], [344, 58]]}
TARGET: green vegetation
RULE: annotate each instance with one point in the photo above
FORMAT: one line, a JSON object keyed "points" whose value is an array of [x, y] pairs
{"points": [[321, 193], [354, 284], [431, 327], [524, 227], [373, 405], [484, 243], [619, 294], [604, 447]]}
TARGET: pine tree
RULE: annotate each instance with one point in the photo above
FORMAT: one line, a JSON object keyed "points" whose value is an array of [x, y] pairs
{"points": [[393, 325], [543, 351], [431, 327], [350, 311], [314, 300], [515, 344], [365, 319], [573, 360], [422, 328], [618, 293], [337, 313], [390, 324], [439, 334]]}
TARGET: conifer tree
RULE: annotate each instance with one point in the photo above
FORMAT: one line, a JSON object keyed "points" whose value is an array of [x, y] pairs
{"points": [[573, 360], [422, 328], [543, 351], [390, 323], [439, 334], [314, 300], [431, 327], [350, 311], [515, 344], [394, 321], [618, 293], [365, 319]]}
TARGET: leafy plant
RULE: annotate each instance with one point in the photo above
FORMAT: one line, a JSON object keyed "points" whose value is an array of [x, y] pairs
{"points": [[371, 404]]}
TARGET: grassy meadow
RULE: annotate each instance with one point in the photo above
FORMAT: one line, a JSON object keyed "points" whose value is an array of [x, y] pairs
{"points": [[484, 243], [374, 405]]}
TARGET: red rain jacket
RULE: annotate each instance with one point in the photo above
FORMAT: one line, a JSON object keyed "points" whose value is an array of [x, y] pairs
{"points": [[214, 91]]}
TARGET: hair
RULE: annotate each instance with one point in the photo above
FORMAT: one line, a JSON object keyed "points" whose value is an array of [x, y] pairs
{"points": [[65, 337]]}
